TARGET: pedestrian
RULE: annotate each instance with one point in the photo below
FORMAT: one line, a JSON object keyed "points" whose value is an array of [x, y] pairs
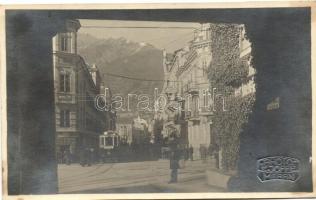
{"points": [[201, 152], [186, 153], [174, 156], [211, 150], [174, 165], [87, 156], [83, 157], [191, 153], [68, 157], [59, 157], [92, 155], [63, 157], [216, 155]]}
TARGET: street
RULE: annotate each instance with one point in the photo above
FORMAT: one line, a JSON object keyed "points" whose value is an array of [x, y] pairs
{"points": [[133, 177]]}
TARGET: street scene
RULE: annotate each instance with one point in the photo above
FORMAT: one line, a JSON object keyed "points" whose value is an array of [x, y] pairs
{"points": [[134, 177], [155, 101], [150, 106]]}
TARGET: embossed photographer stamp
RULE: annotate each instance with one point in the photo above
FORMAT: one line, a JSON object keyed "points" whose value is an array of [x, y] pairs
{"points": [[278, 168]]}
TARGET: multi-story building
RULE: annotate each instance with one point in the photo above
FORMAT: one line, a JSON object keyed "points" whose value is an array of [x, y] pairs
{"points": [[140, 134], [125, 132], [110, 112], [78, 122], [187, 90]]}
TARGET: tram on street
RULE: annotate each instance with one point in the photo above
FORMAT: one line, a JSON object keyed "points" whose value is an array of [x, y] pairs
{"points": [[109, 146]]}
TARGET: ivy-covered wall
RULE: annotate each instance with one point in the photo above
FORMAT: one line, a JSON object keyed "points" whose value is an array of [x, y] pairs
{"points": [[226, 73]]}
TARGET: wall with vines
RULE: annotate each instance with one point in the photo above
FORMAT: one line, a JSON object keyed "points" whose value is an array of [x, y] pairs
{"points": [[227, 72]]}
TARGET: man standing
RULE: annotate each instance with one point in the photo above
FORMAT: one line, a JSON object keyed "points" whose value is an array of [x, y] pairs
{"points": [[68, 157], [83, 160], [174, 165], [191, 153], [174, 156]]}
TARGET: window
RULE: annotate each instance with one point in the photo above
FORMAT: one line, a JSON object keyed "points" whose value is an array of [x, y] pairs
{"points": [[64, 118], [205, 99], [64, 82], [108, 141], [64, 43], [204, 67]]}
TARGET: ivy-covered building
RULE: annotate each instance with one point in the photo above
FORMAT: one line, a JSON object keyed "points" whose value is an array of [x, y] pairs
{"points": [[231, 72]]}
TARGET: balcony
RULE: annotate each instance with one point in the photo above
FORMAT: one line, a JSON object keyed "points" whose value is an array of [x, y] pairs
{"points": [[206, 111], [192, 115], [65, 97], [170, 90], [191, 88]]}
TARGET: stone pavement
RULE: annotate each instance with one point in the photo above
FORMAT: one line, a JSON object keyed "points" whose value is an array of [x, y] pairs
{"points": [[133, 177]]}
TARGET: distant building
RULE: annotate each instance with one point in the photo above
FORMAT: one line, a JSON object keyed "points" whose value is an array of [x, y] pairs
{"points": [[140, 134], [110, 113], [78, 122], [125, 132]]}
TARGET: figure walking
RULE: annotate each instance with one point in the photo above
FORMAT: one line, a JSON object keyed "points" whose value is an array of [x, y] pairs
{"points": [[174, 156], [83, 160], [174, 166], [216, 155], [191, 153], [68, 157]]}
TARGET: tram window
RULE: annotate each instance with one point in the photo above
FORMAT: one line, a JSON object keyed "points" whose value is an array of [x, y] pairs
{"points": [[102, 141], [115, 141], [108, 141]]}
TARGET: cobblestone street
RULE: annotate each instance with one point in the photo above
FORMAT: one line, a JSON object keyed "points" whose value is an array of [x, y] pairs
{"points": [[133, 177]]}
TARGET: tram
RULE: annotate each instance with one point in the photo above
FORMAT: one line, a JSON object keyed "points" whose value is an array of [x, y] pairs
{"points": [[108, 146]]}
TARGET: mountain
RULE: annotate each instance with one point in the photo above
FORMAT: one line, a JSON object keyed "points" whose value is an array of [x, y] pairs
{"points": [[120, 57]]}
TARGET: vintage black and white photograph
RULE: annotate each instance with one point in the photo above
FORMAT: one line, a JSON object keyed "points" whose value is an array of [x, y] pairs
{"points": [[166, 101]]}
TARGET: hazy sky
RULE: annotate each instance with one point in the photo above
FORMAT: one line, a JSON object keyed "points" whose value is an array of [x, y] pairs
{"points": [[170, 39]]}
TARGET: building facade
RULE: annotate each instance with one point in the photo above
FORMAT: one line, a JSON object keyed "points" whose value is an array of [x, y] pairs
{"points": [[125, 132], [78, 122], [188, 91]]}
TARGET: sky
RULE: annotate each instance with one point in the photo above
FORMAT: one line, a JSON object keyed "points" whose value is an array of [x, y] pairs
{"points": [[167, 38]]}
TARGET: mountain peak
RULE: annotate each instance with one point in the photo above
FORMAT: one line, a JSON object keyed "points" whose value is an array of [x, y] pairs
{"points": [[120, 56]]}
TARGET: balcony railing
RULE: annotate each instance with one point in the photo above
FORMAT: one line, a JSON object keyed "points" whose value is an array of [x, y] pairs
{"points": [[63, 97], [192, 115], [170, 90], [206, 111], [191, 88]]}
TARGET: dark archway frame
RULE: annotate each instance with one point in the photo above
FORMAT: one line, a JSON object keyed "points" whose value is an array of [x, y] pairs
{"points": [[281, 46]]}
